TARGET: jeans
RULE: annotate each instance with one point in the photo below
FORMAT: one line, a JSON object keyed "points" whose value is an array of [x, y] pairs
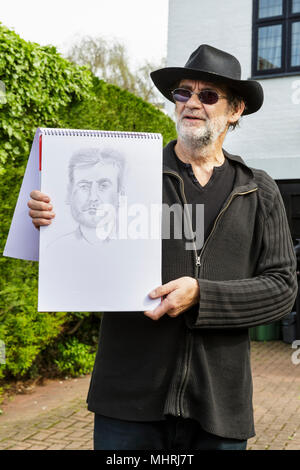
{"points": [[170, 434]]}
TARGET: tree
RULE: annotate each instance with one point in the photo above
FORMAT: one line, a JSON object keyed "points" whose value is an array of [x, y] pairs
{"points": [[109, 61]]}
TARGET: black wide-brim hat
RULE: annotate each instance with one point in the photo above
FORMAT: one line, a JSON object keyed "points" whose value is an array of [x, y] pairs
{"points": [[211, 65]]}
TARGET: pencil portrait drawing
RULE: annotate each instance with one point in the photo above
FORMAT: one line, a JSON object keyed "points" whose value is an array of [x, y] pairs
{"points": [[95, 185]]}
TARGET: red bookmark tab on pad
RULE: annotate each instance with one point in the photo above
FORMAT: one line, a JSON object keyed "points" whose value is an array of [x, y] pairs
{"points": [[40, 153]]}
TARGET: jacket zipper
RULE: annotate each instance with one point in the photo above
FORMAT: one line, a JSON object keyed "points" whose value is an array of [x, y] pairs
{"points": [[197, 258], [189, 335], [179, 410]]}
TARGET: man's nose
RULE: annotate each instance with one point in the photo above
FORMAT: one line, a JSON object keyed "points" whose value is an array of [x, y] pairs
{"points": [[94, 195], [194, 101]]}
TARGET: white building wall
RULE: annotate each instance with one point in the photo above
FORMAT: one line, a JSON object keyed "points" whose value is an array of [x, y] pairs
{"points": [[270, 138]]}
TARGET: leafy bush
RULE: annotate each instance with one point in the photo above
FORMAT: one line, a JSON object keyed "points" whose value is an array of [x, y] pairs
{"points": [[110, 108], [45, 90], [38, 83], [75, 358]]}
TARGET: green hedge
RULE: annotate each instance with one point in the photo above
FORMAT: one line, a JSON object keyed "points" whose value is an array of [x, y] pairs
{"points": [[43, 89], [110, 108], [38, 83]]}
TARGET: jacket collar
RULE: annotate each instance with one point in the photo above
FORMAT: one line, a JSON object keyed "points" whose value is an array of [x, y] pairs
{"points": [[244, 175]]}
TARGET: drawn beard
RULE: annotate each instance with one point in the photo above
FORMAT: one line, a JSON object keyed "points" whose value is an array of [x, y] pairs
{"points": [[89, 217]]}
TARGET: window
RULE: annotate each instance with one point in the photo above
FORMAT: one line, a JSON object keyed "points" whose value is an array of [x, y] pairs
{"points": [[276, 37]]}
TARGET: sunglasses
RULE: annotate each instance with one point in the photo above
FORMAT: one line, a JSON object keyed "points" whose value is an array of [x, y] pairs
{"points": [[205, 96]]}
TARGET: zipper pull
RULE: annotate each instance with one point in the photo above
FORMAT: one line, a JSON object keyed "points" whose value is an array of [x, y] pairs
{"points": [[198, 264]]}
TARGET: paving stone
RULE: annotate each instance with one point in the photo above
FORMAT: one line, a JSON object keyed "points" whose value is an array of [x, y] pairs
{"points": [[7, 445], [63, 424], [77, 434], [23, 435], [37, 447], [73, 446], [56, 447], [61, 435], [21, 446]]}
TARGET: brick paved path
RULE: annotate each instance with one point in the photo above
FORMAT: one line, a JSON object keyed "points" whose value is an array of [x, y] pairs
{"points": [[54, 417]]}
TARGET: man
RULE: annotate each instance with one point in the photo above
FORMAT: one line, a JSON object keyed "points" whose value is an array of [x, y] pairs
{"points": [[184, 380]]}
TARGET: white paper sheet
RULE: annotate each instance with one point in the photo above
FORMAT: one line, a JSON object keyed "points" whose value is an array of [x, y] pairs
{"points": [[23, 238], [79, 271]]}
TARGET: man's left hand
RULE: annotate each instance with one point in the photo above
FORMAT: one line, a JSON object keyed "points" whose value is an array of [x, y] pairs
{"points": [[178, 295]]}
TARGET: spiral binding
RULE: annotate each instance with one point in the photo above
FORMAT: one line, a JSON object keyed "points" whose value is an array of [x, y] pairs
{"points": [[93, 133]]}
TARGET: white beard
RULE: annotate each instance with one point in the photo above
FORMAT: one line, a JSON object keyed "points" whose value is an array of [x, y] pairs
{"points": [[195, 137]]}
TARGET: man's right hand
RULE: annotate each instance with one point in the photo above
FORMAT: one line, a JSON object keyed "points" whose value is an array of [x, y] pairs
{"points": [[40, 209]]}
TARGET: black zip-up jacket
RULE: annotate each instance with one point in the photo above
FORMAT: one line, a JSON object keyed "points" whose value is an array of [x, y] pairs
{"points": [[198, 364]]}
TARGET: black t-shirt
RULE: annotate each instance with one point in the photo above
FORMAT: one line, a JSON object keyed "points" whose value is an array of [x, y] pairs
{"points": [[212, 195]]}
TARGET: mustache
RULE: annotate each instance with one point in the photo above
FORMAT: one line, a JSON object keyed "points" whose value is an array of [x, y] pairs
{"points": [[92, 207], [192, 115]]}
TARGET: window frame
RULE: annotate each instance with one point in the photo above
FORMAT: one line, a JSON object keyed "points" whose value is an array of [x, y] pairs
{"points": [[289, 46], [285, 19]]}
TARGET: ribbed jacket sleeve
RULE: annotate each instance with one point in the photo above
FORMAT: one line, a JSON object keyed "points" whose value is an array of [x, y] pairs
{"points": [[261, 299]]}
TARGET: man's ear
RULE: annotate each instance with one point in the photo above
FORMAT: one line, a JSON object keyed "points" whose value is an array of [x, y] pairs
{"points": [[237, 112]]}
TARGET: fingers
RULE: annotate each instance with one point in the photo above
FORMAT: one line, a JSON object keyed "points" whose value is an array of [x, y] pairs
{"points": [[163, 308], [39, 222], [41, 214], [165, 289], [38, 196], [166, 305], [41, 218], [38, 205], [40, 209], [179, 295]]}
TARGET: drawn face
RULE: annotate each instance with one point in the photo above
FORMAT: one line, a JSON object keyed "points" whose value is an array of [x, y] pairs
{"points": [[93, 186]]}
